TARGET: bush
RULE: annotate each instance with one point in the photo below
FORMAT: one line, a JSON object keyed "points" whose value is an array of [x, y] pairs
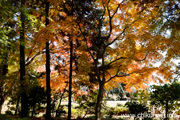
{"points": [[60, 112], [136, 108], [118, 110], [9, 112], [3, 117], [121, 110], [86, 103]]}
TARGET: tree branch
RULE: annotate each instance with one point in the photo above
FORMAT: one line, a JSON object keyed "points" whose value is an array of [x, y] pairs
{"points": [[86, 42], [95, 60], [28, 62], [117, 8], [121, 33], [123, 75], [111, 17]]}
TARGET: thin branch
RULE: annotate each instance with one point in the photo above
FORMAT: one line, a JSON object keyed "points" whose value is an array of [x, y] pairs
{"points": [[116, 60], [121, 33], [117, 8], [110, 23], [123, 75], [120, 58], [86, 42], [111, 17], [114, 75], [28, 62]]}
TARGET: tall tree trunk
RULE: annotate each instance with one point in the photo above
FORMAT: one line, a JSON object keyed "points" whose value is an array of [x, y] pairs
{"points": [[33, 111], [101, 89], [4, 71], [166, 110], [48, 89], [5, 64], [99, 101], [24, 101], [70, 79], [17, 106]]}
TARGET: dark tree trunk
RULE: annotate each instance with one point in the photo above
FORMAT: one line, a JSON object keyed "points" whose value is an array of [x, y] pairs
{"points": [[33, 111], [17, 106], [60, 100], [5, 65], [48, 89], [101, 89], [166, 114], [99, 101], [1, 102], [24, 101], [70, 80], [4, 71]]}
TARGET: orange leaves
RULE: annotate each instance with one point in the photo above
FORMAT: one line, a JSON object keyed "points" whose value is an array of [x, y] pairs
{"points": [[134, 66], [57, 82], [127, 24]]}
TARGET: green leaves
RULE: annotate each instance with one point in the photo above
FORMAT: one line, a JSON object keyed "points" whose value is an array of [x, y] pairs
{"points": [[136, 108], [160, 95]]}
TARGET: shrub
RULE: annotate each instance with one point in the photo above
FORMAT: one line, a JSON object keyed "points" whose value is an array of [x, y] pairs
{"points": [[3, 117], [121, 110], [136, 108], [9, 112], [118, 110]]}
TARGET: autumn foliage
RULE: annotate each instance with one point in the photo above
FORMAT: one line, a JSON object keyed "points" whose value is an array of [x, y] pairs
{"points": [[134, 42]]}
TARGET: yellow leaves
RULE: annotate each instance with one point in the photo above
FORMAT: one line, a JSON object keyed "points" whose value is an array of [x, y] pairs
{"points": [[83, 47], [84, 64], [111, 85], [110, 51], [131, 9]]}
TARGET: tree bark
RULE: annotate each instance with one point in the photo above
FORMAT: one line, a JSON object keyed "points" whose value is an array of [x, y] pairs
{"points": [[48, 89], [24, 101], [17, 106], [166, 114], [99, 101], [70, 80], [101, 88], [4, 71]]}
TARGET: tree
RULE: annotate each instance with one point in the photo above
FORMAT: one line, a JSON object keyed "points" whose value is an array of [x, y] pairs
{"points": [[165, 96], [24, 103], [136, 108], [26, 22], [166, 23], [68, 13], [48, 89], [14, 23], [119, 45], [6, 48], [70, 79], [142, 96], [112, 42]]}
